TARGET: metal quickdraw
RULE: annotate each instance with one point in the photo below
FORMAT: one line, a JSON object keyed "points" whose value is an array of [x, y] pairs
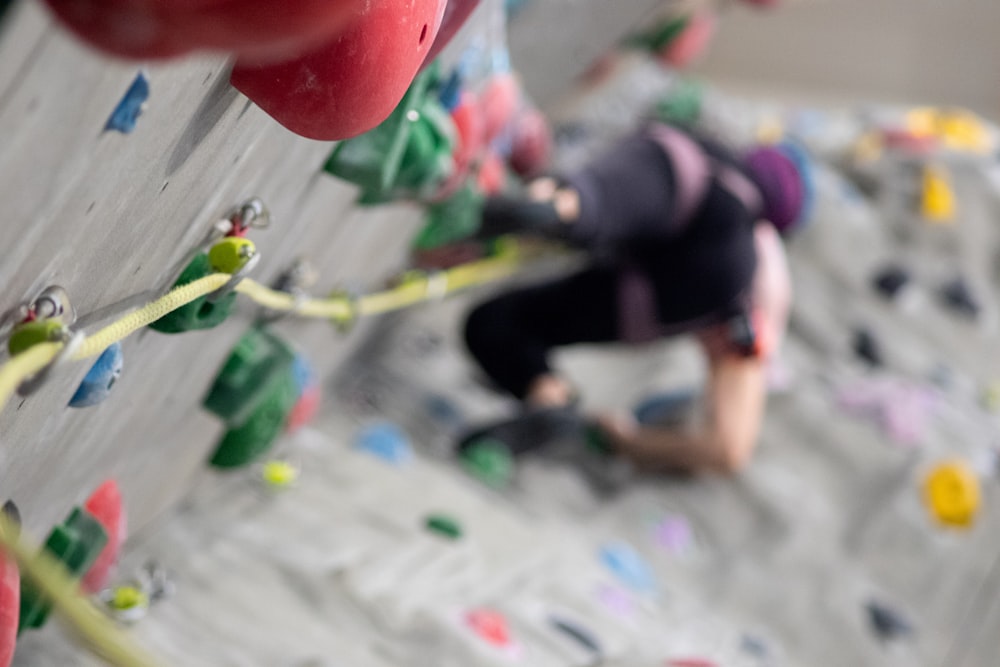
{"points": [[231, 252], [46, 319]]}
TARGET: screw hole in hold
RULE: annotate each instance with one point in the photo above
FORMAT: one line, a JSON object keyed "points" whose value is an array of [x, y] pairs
{"points": [[423, 33]]}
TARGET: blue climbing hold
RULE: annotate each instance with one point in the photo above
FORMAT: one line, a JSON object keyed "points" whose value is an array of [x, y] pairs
{"points": [[386, 441], [444, 411], [303, 373], [96, 385], [450, 90], [630, 568], [665, 409], [125, 115]]}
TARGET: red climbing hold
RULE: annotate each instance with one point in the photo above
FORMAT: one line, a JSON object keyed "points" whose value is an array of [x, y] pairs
{"points": [[490, 626], [691, 662], [156, 29], [455, 15], [10, 596], [305, 408], [105, 505], [531, 148], [10, 606], [351, 83], [499, 102]]}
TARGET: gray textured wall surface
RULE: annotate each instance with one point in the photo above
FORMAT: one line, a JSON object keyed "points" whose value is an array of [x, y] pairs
{"points": [[108, 215], [913, 51]]}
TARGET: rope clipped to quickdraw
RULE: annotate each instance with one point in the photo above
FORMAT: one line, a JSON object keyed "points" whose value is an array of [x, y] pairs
{"points": [[339, 308], [97, 632]]}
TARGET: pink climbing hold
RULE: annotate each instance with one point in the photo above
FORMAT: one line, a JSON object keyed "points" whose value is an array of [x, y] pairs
{"points": [[692, 43], [902, 409], [105, 505], [489, 625], [492, 176], [691, 662]]}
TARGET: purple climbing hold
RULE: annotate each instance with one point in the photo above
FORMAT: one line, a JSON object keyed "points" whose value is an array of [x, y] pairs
{"points": [[617, 600], [674, 534]]}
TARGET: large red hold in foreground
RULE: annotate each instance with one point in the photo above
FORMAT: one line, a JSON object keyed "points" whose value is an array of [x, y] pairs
{"points": [[263, 30], [352, 82]]}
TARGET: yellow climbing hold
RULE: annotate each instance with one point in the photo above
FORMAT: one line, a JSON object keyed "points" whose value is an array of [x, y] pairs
{"points": [[937, 201], [951, 492], [127, 597], [230, 254], [868, 148], [991, 397], [279, 474], [957, 129], [770, 131]]}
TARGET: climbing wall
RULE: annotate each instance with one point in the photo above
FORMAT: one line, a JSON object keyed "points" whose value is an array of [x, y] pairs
{"points": [[384, 550], [109, 216]]}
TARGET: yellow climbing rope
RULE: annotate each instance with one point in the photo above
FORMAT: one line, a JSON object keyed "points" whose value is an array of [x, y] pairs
{"points": [[95, 630], [24, 365], [422, 287]]}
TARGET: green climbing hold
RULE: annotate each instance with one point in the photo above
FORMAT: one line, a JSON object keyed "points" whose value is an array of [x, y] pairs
{"points": [[77, 542], [451, 220], [682, 105], [659, 35], [248, 441], [407, 155], [200, 313], [444, 526], [257, 363], [490, 461], [597, 440]]}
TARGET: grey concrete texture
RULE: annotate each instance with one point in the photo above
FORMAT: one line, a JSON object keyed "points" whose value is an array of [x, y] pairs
{"points": [[779, 562], [109, 216], [337, 570]]}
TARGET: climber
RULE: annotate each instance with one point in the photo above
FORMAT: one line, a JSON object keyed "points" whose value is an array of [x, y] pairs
{"points": [[683, 237]]}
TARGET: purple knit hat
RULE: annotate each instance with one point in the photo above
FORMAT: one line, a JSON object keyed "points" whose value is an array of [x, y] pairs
{"points": [[781, 184]]}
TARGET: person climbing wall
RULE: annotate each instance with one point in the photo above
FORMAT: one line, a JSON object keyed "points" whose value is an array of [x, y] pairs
{"points": [[683, 236]]}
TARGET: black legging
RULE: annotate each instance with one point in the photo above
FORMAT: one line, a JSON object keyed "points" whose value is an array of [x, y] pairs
{"points": [[510, 336]]}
